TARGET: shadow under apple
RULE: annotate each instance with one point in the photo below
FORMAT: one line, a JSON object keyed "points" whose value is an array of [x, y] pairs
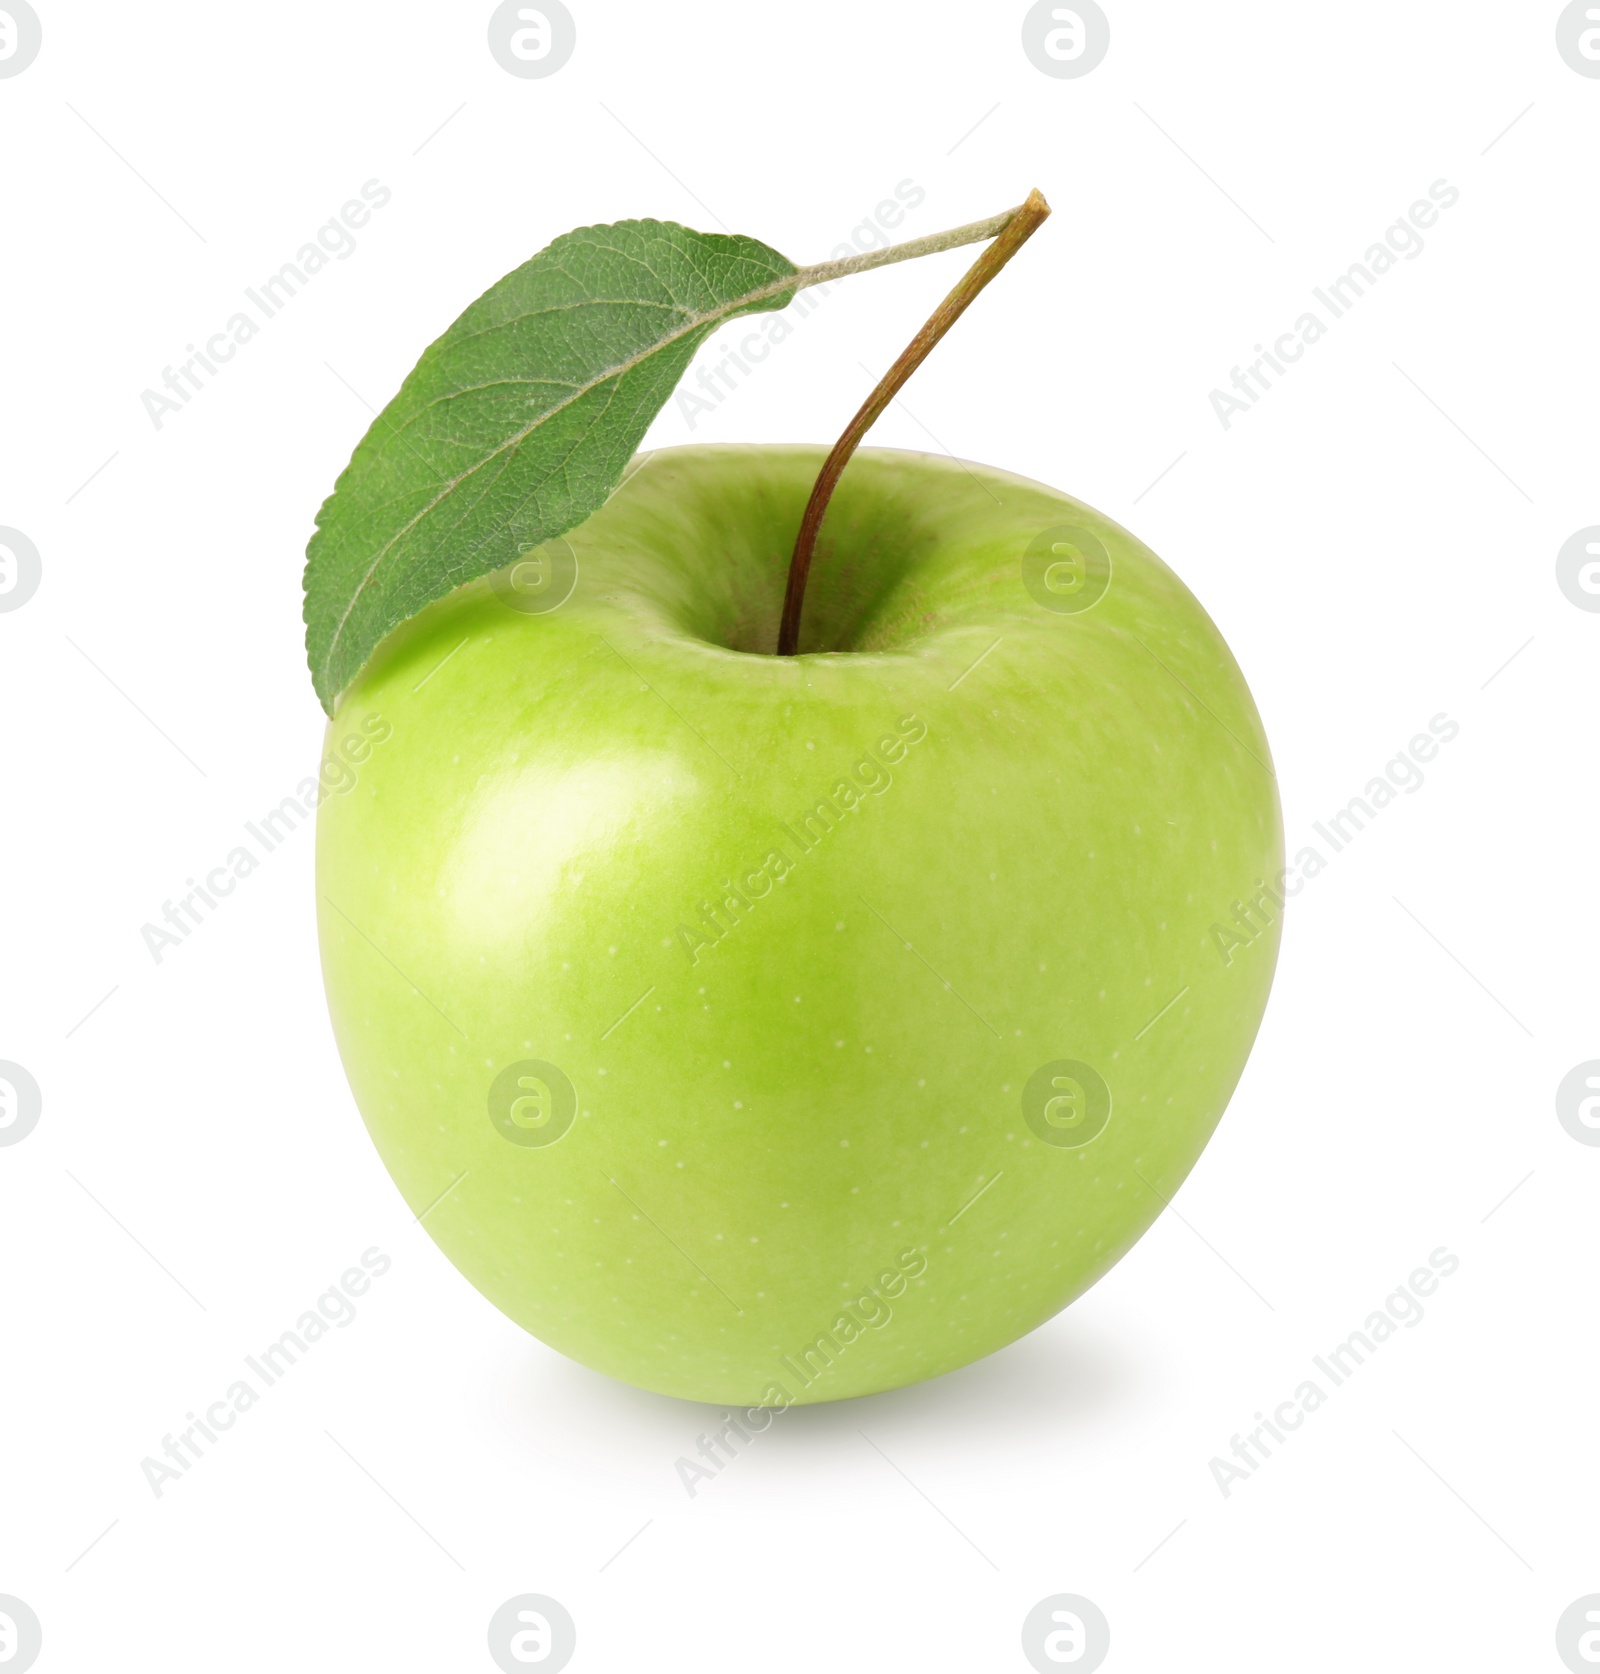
{"points": [[1073, 1386]]}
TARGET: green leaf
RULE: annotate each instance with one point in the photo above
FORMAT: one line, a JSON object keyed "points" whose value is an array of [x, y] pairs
{"points": [[518, 422]]}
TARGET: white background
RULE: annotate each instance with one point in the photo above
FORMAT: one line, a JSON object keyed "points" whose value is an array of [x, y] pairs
{"points": [[1374, 555]]}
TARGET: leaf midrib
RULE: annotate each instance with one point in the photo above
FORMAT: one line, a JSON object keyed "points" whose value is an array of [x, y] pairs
{"points": [[621, 369]]}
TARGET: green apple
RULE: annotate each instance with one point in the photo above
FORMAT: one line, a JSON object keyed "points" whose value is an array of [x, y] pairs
{"points": [[768, 1030]]}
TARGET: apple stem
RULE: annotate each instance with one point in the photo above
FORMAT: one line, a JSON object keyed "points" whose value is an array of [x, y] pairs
{"points": [[1010, 232]]}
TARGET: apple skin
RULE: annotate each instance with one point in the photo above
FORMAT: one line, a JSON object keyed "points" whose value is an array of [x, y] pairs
{"points": [[769, 1190]]}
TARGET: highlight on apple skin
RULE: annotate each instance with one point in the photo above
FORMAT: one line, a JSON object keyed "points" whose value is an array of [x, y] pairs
{"points": [[771, 1030]]}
